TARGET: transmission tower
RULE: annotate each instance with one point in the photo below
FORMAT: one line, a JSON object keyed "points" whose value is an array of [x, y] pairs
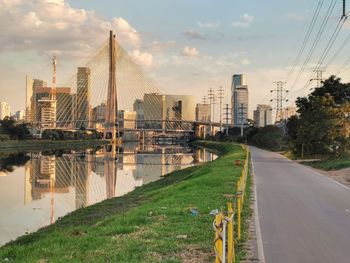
{"points": [[280, 93], [318, 78], [220, 97], [227, 117], [204, 100], [212, 101], [242, 110]]}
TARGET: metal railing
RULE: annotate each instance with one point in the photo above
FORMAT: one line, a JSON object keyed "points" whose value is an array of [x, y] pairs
{"points": [[227, 224]]}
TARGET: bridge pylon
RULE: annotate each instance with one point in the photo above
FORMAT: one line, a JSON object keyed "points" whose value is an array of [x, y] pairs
{"points": [[111, 121]]}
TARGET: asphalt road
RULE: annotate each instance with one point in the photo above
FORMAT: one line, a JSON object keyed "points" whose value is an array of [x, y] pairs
{"points": [[303, 216]]}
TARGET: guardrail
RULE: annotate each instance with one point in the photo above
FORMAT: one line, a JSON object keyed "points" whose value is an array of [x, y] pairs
{"points": [[228, 223]]}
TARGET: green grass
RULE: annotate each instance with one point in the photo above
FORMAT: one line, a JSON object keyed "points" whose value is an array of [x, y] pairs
{"points": [[33, 145], [145, 225], [328, 165]]}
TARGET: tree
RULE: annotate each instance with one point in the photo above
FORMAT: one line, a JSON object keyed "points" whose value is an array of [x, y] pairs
{"points": [[322, 127]]}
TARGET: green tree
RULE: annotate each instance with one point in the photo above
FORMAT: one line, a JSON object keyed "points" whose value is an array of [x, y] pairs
{"points": [[322, 127]]}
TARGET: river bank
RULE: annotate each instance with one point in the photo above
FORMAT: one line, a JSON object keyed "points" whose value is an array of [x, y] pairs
{"points": [[42, 145], [165, 221]]}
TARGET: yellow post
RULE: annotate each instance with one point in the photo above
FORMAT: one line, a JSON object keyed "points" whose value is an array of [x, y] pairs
{"points": [[218, 237], [239, 208], [230, 234]]}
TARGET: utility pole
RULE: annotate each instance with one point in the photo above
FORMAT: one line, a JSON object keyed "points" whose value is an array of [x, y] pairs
{"points": [[344, 10], [212, 100], [221, 96], [318, 78], [227, 118], [280, 98], [241, 112]]}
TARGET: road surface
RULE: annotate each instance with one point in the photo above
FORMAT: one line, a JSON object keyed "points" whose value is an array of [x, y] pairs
{"points": [[304, 217]]}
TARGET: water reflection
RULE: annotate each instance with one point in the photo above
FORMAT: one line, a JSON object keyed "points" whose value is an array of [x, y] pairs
{"points": [[48, 185]]}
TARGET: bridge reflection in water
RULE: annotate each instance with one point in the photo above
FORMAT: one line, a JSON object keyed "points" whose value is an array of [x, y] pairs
{"points": [[56, 184]]}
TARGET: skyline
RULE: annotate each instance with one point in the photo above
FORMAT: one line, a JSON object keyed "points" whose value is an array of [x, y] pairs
{"points": [[186, 55]]}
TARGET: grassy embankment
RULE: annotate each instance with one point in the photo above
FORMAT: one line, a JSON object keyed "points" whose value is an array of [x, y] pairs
{"points": [[328, 165], [34, 145], [151, 224]]}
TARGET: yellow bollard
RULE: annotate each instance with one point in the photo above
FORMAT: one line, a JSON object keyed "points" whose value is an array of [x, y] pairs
{"points": [[218, 237], [230, 234], [239, 208]]}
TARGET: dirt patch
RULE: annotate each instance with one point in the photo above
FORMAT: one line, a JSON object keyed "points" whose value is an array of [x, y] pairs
{"points": [[194, 254], [342, 176]]}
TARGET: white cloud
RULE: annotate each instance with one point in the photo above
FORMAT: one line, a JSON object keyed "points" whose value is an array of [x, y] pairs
{"points": [[144, 59], [190, 51], [209, 25], [45, 25], [192, 34], [295, 17], [245, 61], [157, 46], [244, 22], [126, 31]]}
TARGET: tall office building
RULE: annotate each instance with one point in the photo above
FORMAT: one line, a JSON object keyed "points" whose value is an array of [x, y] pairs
{"points": [[203, 112], [46, 114], [5, 110], [99, 115], [64, 110], [29, 99], [83, 106], [62, 106], [20, 115], [38, 85], [263, 115], [138, 107], [239, 100], [169, 108]]}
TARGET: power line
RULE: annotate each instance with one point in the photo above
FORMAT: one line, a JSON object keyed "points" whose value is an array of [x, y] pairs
{"points": [[306, 38], [315, 42]]}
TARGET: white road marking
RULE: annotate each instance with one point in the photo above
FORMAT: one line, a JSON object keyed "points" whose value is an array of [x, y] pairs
{"points": [[261, 254]]}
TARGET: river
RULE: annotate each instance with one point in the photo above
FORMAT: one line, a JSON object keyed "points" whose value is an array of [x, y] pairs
{"points": [[36, 188]]}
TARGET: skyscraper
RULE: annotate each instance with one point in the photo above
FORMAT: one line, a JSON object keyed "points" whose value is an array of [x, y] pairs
{"points": [[29, 99], [5, 110], [239, 100], [63, 104], [38, 86], [20, 115], [203, 112], [263, 115], [83, 106], [64, 110]]}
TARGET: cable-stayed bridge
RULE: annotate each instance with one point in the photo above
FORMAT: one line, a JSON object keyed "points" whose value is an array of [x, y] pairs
{"points": [[114, 95]]}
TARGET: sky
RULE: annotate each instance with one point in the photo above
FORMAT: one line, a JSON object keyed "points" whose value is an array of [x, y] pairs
{"points": [[187, 46]]}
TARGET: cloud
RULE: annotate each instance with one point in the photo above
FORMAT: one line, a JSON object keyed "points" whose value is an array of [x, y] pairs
{"points": [[245, 61], [295, 17], [209, 25], [144, 59], [157, 46], [190, 52], [192, 34], [45, 25], [245, 22]]}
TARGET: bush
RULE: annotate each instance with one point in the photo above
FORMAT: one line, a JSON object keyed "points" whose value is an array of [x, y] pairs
{"points": [[4, 137]]}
